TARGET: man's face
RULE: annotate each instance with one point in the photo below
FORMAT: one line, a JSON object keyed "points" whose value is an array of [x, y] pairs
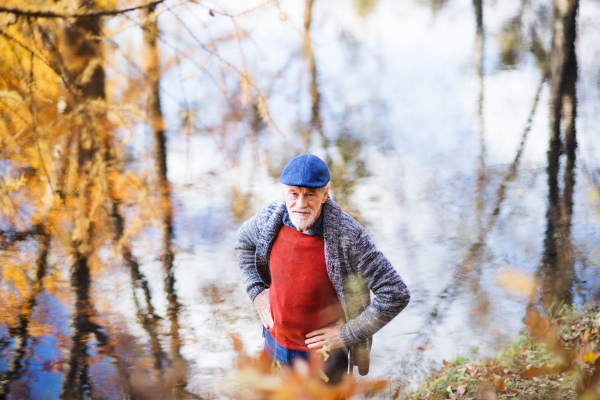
{"points": [[304, 204]]}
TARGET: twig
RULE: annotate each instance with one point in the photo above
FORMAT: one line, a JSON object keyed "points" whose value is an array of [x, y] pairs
{"points": [[53, 14]]}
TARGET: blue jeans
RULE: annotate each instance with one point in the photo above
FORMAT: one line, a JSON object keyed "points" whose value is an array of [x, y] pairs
{"points": [[279, 353], [336, 365]]}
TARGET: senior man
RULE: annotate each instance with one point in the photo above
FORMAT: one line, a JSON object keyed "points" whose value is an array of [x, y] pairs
{"points": [[309, 268]]}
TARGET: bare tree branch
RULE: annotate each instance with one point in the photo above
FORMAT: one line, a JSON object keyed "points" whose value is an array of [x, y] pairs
{"points": [[53, 14], [9, 237]]}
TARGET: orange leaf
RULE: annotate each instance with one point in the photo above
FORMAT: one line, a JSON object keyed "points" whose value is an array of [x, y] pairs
{"points": [[539, 328], [238, 345], [500, 384], [377, 385], [534, 372]]}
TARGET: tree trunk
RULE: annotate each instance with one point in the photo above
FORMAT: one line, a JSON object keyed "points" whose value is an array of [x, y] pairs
{"points": [[479, 54], [85, 74], [163, 189], [148, 317], [316, 122], [557, 263]]}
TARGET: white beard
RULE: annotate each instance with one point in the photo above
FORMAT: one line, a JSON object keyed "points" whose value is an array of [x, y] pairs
{"points": [[302, 223]]}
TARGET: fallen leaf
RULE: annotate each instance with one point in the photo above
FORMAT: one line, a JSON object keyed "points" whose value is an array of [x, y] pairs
{"points": [[461, 389], [500, 384], [447, 363], [425, 347], [539, 327], [589, 357], [495, 332], [489, 395], [471, 369], [597, 321], [534, 372]]}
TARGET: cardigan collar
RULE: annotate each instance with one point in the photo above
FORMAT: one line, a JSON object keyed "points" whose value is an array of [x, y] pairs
{"points": [[331, 221]]}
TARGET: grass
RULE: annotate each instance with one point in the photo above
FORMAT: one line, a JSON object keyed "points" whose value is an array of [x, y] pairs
{"points": [[546, 361]]}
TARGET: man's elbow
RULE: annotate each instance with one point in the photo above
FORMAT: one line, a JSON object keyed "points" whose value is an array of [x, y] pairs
{"points": [[402, 297], [405, 298]]}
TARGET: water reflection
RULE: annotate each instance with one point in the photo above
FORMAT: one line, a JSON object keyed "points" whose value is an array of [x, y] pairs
{"points": [[479, 67], [469, 271], [163, 331], [557, 264], [19, 332]]}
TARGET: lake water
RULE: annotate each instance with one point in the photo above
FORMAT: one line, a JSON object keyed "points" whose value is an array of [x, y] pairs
{"points": [[399, 101]]}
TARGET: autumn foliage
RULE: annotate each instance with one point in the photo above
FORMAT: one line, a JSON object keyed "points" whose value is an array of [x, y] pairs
{"points": [[551, 360], [257, 377]]}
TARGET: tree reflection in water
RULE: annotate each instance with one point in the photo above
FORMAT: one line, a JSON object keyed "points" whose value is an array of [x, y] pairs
{"points": [[86, 200]]}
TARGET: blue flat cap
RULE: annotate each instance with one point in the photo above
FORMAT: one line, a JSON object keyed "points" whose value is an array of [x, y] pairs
{"points": [[305, 170]]}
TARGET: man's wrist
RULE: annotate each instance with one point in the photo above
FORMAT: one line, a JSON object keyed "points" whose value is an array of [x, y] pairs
{"points": [[345, 336], [255, 290]]}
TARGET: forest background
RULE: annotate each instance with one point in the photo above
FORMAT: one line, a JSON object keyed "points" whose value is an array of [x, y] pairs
{"points": [[136, 137]]}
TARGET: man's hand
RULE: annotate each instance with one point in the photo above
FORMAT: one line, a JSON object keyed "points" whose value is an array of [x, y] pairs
{"points": [[327, 336], [261, 301]]}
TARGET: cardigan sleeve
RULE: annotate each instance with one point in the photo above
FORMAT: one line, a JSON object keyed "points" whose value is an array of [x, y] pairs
{"points": [[391, 295], [245, 246]]}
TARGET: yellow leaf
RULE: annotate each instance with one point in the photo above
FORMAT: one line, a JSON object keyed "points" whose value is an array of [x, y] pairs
{"points": [[589, 357], [246, 86], [11, 95], [323, 376], [517, 283]]}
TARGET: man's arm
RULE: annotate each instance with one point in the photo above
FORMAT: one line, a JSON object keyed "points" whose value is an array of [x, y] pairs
{"points": [[245, 246], [391, 294]]}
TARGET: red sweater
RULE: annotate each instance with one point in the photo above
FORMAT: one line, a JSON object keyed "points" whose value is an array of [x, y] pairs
{"points": [[301, 295]]}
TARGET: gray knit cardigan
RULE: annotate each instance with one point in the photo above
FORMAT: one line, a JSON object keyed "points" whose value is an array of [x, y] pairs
{"points": [[354, 265]]}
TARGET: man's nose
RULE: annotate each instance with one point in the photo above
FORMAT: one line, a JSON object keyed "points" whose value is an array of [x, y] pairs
{"points": [[302, 203]]}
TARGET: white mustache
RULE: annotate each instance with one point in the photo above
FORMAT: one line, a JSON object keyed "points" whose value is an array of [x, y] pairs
{"points": [[303, 210]]}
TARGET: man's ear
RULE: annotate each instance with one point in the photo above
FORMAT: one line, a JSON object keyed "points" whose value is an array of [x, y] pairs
{"points": [[325, 193]]}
